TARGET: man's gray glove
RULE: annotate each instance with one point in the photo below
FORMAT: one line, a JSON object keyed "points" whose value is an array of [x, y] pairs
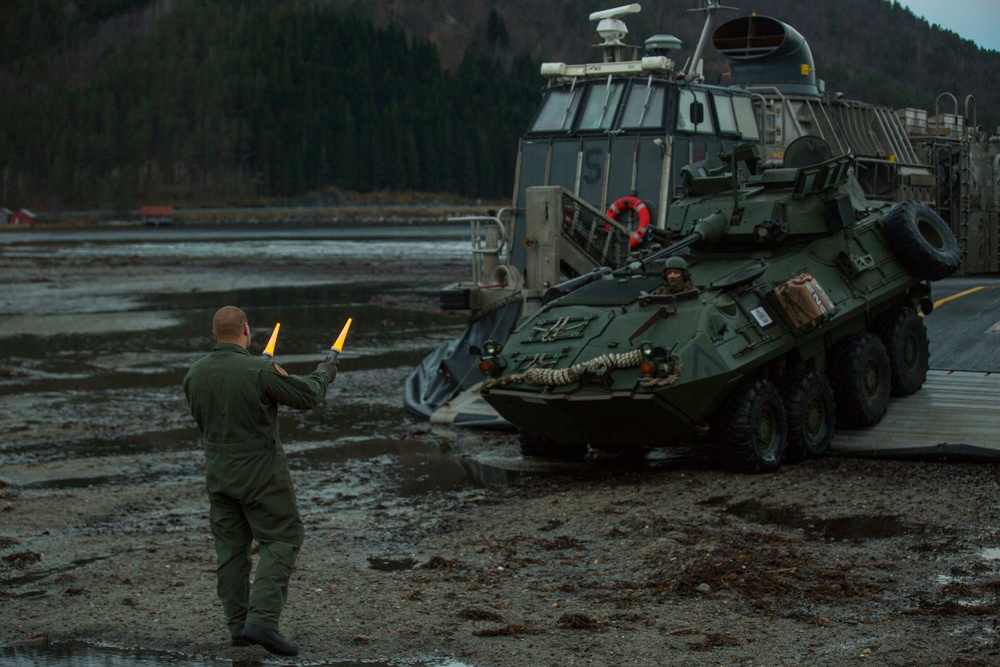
{"points": [[330, 367]]}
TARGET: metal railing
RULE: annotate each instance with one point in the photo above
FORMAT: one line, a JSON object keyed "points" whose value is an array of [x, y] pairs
{"points": [[604, 240]]}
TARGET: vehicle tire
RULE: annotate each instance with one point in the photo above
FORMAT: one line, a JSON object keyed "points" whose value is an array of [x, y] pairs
{"points": [[541, 447], [905, 338], [752, 429], [921, 241], [809, 413], [861, 379]]}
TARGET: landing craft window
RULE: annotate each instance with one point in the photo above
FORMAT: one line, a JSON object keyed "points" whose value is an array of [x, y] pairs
{"points": [[745, 118], [558, 111], [688, 117], [726, 114], [602, 102], [643, 106]]}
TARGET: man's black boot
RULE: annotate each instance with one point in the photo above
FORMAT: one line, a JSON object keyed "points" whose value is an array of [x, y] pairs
{"points": [[269, 639]]}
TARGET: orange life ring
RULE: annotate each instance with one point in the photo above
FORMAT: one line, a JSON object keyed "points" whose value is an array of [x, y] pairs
{"points": [[640, 209]]}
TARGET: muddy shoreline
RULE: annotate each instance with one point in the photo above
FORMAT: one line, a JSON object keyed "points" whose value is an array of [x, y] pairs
{"points": [[428, 543], [826, 562]]}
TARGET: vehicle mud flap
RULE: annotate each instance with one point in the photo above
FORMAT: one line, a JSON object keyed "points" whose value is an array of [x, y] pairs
{"points": [[922, 241], [452, 368]]}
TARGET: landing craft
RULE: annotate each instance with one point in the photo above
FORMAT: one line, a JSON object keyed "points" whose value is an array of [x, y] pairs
{"points": [[617, 146]]}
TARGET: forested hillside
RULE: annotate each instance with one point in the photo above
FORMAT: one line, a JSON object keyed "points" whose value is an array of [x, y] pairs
{"points": [[225, 101], [117, 103]]}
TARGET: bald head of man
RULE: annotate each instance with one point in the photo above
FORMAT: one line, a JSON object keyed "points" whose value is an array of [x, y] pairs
{"points": [[230, 326]]}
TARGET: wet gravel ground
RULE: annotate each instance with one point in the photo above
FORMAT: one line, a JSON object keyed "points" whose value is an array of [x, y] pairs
{"points": [[424, 542]]}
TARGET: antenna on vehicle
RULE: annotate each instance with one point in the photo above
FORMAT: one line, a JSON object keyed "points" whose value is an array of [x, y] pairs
{"points": [[613, 29], [711, 8]]}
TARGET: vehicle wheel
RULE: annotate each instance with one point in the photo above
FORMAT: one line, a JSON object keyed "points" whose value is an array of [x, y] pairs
{"points": [[809, 412], [905, 338], [861, 381], [542, 447], [922, 241], [752, 429]]}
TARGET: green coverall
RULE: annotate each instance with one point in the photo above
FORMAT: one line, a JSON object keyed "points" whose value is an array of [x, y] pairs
{"points": [[234, 398]]}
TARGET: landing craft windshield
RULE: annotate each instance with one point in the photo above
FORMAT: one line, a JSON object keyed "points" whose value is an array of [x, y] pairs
{"points": [[601, 105], [742, 115], [642, 108], [558, 111], [734, 114]]}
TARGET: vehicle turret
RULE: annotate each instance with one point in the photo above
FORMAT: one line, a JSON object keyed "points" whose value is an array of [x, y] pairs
{"points": [[760, 205]]}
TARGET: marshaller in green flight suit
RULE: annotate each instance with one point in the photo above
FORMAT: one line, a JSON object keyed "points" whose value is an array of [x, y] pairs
{"points": [[234, 398]]}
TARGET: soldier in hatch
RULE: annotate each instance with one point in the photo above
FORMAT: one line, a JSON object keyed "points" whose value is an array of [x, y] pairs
{"points": [[234, 398], [676, 277]]}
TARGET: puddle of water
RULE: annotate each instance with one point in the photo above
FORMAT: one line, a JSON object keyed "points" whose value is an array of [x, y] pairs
{"points": [[83, 654], [37, 576], [990, 554], [381, 564], [69, 483], [76, 462], [414, 468], [851, 528], [77, 324]]}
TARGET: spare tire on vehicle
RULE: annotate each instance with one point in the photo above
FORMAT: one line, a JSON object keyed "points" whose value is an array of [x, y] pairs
{"points": [[921, 241]]}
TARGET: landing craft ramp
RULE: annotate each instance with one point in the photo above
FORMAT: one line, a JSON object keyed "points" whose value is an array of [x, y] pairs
{"points": [[953, 417], [956, 415]]}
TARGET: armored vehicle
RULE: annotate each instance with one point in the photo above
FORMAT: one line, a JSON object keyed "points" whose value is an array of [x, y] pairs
{"points": [[616, 144], [801, 312]]}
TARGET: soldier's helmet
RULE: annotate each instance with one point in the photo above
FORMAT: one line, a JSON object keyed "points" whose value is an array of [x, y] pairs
{"points": [[677, 263]]}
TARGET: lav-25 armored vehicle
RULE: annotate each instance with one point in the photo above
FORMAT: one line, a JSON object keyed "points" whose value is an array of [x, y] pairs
{"points": [[804, 313]]}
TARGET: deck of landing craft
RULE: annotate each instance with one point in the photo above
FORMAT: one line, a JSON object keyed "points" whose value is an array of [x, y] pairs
{"points": [[954, 415]]}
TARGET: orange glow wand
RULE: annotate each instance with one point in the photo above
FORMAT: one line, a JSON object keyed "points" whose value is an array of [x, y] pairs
{"points": [[338, 346], [269, 350]]}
